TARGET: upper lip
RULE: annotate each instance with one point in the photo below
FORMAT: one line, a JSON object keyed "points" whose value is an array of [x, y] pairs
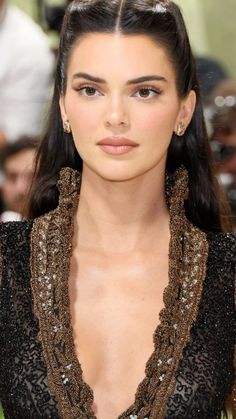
{"points": [[117, 141]]}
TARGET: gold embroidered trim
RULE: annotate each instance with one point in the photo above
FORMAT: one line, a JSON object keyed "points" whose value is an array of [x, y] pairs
{"points": [[50, 258], [187, 269]]}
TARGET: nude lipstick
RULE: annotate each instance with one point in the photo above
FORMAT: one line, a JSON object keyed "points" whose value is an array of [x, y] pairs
{"points": [[117, 145]]}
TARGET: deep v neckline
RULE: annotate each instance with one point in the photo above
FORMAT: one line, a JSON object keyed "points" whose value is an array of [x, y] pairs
{"points": [[51, 246]]}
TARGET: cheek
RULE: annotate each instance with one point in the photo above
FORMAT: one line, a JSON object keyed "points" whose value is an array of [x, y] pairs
{"points": [[8, 190], [82, 121], [157, 122], [229, 165], [83, 117]]}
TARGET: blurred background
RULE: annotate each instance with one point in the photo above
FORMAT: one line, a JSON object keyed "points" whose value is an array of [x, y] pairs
{"points": [[29, 32], [211, 25], [212, 31]]}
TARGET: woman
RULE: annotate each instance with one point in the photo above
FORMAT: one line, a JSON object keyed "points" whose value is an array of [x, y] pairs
{"points": [[83, 285]]}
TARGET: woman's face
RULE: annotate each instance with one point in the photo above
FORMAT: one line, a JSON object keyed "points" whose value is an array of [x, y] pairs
{"points": [[122, 104]]}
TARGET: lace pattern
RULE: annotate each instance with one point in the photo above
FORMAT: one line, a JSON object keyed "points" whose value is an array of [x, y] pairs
{"points": [[205, 374], [24, 389], [51, 246], [202, 377]]}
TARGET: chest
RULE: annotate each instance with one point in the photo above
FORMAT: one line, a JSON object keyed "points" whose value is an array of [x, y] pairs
{"points": [[115, 304], [202, 380], [115, 296]]}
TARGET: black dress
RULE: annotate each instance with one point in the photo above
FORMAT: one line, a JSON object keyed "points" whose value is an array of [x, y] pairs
{"points": [[188, 376]]}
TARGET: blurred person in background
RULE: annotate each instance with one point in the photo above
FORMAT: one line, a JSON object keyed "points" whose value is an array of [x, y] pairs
{"points": [[54, 13], [210, 73], [84, 328], [25, 75], [17, 164], [223, 138]]}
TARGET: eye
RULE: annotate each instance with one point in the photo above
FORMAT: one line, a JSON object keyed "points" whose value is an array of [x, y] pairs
{"points": [[88, 91], [147, 93]]}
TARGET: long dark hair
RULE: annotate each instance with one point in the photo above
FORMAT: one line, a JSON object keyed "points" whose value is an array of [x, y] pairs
{"points": [[162, 21]]}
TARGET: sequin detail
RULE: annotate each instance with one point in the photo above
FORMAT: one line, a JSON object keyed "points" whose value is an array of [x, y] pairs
{"points": [[51, 247], [187, 269]]}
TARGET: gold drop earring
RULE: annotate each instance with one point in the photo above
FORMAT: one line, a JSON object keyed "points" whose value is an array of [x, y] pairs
{"points": [[180, 129], [66, 127]]}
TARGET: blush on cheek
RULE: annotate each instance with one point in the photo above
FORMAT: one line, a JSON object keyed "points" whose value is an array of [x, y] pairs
{"points": [[151, 122], [159, 121], [148, 122], [83, 120]]}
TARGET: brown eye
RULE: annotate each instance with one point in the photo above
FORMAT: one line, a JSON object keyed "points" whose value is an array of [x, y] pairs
{"points": [[144, 93], [147, 93], [88, 91]]}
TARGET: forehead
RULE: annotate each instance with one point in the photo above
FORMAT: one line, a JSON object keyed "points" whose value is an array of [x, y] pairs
{"points": [[20, 161], [117, 54]]}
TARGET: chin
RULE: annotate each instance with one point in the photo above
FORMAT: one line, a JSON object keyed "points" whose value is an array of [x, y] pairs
{"points": [[120, 177], [118, 172]]}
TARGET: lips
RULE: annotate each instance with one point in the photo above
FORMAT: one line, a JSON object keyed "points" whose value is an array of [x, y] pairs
{"points": [[117, 145], [117, 141]]}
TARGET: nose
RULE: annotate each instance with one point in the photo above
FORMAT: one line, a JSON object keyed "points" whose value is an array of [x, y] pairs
{"points": [[117, 114]]}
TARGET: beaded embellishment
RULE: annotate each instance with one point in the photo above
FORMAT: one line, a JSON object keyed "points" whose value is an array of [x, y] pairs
{"points": [[50, 259]]}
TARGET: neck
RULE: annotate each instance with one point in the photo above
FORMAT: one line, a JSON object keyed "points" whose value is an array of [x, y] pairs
{"points": [[122, 216]]}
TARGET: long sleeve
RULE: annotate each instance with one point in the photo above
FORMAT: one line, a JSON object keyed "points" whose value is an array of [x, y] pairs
{"points": [[205, 377]]}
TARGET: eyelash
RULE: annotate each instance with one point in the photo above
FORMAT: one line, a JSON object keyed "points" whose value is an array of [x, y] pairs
{"points": [[150, 89]]}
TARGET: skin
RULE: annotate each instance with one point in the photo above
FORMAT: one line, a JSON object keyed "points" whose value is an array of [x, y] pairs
{"points": [[18, 172], [3, 140], [119, 263]]}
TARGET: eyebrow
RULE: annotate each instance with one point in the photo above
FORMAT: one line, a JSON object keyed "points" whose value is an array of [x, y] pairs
{"points": [[129, 82]]}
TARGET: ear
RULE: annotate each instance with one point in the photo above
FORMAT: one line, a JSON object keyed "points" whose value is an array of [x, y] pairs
{"points": [[62, 108], [187, 108]]}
